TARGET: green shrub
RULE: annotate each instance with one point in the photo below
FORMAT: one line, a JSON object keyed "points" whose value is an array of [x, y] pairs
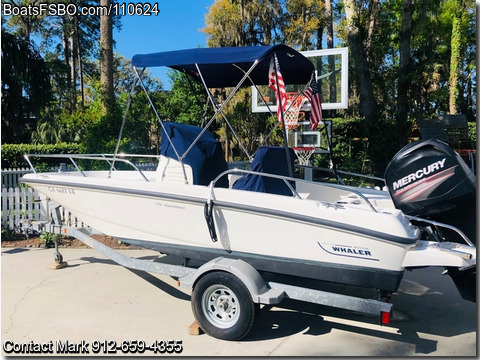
{"points": [[349, 145], [472, 132], [7, 234], [49, 239], [352, 145], [12, 154]]}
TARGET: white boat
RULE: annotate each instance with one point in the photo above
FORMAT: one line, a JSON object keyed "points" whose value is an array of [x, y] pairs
{"points": [[193, 206]]}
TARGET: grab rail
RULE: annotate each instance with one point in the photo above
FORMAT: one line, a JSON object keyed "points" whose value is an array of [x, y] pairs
{"points": [[286, 180], [446, 226], [343, 172], [97, 157]]}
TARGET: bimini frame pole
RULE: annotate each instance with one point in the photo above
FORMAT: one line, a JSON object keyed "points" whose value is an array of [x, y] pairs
{"points": [[215, 106], [220, 108], [161, 122], [267, 105], [129, 101]]}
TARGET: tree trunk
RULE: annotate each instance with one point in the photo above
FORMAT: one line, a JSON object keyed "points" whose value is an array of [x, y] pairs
{"points": [[106, 57], [357, 49], [73, 69], [331, 59], [66, 55], [305, 35], [365, 86], [80, 73], [403, 73], [78, 59], [373, 7]]}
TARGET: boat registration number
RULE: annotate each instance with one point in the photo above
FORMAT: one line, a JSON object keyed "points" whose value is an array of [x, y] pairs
{"points": [[61, 190]]}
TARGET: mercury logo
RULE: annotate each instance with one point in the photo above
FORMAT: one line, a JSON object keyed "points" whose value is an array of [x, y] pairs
{"points": [[437, 165]]}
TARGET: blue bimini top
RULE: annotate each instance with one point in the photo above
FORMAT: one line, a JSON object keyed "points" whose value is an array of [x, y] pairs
{"points": [[226, 66]]}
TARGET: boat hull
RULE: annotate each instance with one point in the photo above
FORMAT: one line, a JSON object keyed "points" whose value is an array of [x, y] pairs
{"points": [[273, 233], [374, 278]]}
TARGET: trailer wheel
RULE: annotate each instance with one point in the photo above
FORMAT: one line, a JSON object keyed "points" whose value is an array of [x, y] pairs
{"points": [[223, 306]]}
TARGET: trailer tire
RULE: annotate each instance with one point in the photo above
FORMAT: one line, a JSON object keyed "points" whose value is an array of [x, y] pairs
{"points": [[223, 306]]}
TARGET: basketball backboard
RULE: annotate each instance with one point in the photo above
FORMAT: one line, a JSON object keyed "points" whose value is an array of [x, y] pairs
{"points": [[331, 66], [303, 136]]}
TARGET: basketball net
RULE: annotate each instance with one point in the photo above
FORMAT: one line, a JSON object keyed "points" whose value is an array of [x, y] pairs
{"points": [[304, 154], [293, 115]]}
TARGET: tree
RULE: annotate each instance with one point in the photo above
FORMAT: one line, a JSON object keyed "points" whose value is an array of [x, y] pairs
{"points": [[455, 57], [25, 87], [250, 127], [301, 23], [106, 56], [466, 99], [24, 25], [404, 72], [330, 39], [223, 25], [355, 33], [186, 102], [242, 22], [72, 40], [97, 131]]}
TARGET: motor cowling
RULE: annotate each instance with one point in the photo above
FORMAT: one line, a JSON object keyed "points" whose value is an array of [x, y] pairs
{"points": [[429, 179]]}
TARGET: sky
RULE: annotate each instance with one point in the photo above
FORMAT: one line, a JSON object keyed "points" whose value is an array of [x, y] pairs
{"points": [[176, 27]]}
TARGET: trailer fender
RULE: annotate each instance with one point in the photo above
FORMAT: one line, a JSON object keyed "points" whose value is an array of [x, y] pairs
{"points": [[261, 293]]}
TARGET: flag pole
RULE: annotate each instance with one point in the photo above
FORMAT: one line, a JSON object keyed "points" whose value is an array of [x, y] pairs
{"points": [[284, 129]]}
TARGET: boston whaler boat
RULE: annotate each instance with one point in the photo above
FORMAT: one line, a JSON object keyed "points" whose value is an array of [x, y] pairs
{"points": [[193, 206]]}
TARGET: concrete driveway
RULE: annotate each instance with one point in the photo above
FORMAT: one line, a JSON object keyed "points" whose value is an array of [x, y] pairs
{"points": [[94, 304]]}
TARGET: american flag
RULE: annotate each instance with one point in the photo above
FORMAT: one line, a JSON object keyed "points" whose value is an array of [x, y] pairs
{"points": [[313, 96], [272, 83]]}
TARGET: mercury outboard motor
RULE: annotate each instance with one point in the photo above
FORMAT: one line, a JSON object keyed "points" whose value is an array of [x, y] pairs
{"points": [[428, 179]]}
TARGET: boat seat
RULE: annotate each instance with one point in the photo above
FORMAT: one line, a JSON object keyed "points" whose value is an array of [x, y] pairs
{"points": [[232, 178], [171, 171], [268, 160]]}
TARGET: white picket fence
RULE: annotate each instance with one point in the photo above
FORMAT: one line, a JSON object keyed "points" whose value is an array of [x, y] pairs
{"points": [[21, 205], [10, 177]]}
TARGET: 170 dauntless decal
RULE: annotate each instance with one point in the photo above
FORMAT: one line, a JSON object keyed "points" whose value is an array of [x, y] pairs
{"points": [[348, 251], [419, 174]]}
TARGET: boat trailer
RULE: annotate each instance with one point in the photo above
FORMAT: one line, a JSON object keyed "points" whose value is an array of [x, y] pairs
{"points": [[226, 293]]}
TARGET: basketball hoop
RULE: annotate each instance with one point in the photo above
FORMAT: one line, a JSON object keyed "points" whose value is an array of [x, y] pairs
{"points": [[303, 154], [293, 114]]}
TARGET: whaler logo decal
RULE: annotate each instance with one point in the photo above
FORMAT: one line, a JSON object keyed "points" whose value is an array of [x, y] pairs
{"points": [[419, 174], [348, 251]]}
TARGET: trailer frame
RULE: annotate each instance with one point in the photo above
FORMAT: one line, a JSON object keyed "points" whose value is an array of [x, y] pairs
{"points": [[258, 289]]}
